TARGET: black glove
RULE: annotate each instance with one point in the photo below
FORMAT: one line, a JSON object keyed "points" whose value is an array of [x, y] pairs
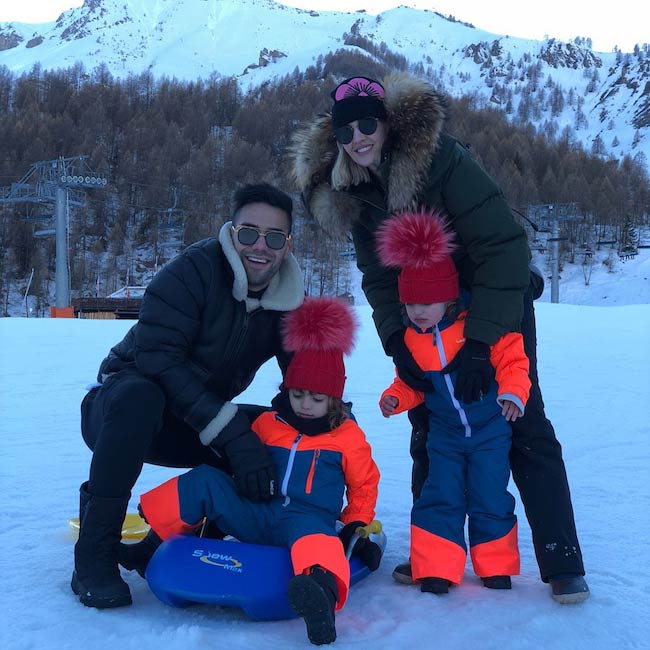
{"points": [[407, 369], [365, 549], [252, 466], [475, 371]]}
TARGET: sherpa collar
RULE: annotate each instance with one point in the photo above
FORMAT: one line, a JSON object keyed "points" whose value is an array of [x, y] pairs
{"points": [[286, 290], [416, 116]]}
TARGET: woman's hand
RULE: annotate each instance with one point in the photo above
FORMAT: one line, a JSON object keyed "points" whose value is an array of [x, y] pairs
{"points": [[388, 404]]}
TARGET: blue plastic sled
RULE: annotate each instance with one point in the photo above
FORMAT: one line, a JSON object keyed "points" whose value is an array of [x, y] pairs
{"points": [[186, 569]]}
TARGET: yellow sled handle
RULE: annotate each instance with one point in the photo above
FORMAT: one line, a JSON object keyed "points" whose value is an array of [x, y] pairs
{"points": [[134, 527], [365, 531]]}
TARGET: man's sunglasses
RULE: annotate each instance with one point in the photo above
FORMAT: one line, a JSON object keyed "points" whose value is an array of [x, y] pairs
{"points": [[367, 126], [248, 235]]}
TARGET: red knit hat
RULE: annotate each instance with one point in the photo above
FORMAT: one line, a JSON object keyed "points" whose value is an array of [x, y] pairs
{"points": [[319, 333], [419, 244]]}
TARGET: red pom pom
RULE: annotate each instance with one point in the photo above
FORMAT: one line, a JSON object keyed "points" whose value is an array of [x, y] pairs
{"points": [[319, 325], [415, 240]]}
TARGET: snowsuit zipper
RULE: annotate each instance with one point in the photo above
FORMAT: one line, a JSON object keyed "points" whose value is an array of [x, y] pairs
{"points": [[287, 472], [450, 386]]}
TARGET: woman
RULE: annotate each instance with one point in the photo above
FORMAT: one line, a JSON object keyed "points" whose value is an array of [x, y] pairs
{"points": [[383, 149]]}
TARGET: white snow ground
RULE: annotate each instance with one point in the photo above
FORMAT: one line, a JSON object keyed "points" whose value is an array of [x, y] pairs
{"points": [[594, 362]]}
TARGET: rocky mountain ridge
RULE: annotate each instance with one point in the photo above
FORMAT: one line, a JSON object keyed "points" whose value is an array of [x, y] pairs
{"points": [[601, 99]]}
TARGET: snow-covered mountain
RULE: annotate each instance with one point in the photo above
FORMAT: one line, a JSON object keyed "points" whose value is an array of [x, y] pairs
{"points": [[602, 98]]}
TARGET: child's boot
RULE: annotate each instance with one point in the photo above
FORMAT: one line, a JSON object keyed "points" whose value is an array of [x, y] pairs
{"points": [[136, 556], [497, 582], [313, 597], [436, 586]]}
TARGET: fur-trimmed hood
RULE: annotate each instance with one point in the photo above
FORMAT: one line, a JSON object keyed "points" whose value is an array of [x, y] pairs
{"points": [[416, 116]]}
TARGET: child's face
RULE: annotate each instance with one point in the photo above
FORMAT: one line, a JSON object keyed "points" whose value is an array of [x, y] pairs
{"points": [[306, 404], [426, 316]]}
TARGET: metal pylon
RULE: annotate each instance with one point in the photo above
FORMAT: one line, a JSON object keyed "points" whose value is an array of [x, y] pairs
{"points": [[56, 182]]}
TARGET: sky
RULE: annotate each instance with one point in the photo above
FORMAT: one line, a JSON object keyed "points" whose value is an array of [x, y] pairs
{"points": [[608, 24], [594, 393]]}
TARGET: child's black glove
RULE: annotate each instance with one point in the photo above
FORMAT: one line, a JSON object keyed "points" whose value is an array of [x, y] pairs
{"points": [[365, 549], [407, 368], [475, 371], [252, 466]]}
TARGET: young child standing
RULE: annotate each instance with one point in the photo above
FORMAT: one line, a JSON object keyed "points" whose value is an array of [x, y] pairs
{"points": [[320, 454], [468, 442]]}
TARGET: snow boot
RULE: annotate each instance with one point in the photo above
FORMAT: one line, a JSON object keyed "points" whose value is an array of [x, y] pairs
{"points": [[568, 588], [402, 573], [136, 556], [436, 586], [313, 597], [96, 578], [497, 582]]}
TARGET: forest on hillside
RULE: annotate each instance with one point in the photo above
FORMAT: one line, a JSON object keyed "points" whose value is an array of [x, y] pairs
{"points": [[174, 151]]}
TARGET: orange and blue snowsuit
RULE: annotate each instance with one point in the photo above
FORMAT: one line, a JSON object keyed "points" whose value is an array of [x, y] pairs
{"points": [[316, 470], [468, 447]]}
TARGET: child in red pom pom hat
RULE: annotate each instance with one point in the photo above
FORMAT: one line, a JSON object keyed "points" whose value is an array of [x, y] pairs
{"points": [[469, 441], [320, 454]]}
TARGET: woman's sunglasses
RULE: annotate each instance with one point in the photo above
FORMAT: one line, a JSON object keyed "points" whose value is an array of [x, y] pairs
{"points": [[366, 125], [248, 235]]}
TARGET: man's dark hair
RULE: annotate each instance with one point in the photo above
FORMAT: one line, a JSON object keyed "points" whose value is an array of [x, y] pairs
{"points": [[263, 193]]}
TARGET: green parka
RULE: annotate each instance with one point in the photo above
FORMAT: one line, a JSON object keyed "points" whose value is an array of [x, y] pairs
{"points": [[422, 167]]}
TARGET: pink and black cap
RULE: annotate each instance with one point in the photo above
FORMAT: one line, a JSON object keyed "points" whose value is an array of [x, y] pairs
{"points": [[355, 98]]}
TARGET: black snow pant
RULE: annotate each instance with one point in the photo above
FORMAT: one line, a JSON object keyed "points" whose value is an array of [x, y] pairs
{"points": [[537, 468], [125, 423]]}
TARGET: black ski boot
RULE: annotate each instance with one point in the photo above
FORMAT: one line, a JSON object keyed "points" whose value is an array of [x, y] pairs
{"points": [[136, 556], [313, 597], [436, 586], [569, 588], [96, 578], [402, 573], [497, 582]]}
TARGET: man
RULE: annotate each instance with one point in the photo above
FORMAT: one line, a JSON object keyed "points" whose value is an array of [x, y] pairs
{"points": [[209, 319]]}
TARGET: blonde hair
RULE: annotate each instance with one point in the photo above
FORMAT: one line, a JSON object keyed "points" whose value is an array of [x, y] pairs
{"points": [[346, 172]]}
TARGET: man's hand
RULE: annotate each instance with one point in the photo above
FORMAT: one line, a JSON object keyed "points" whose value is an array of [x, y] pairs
{"points": [[365, 549], [252, 466], [387, 405], [407, 369], [474, 371]]}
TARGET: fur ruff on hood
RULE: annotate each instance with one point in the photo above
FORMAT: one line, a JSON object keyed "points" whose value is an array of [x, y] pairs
{"points": [[416, 116]]}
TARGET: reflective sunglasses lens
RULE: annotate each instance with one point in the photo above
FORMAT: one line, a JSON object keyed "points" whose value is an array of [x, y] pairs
{"points": [[275, 240], [247, 236], [368, 125], [344, 134]]}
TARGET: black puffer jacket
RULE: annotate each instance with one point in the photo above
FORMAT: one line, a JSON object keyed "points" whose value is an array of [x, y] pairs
{"points": [[198, 341]]}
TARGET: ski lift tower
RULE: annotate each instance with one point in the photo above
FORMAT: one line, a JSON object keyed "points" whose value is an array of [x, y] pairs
{"points": [[58, 182], [550, 215]]}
